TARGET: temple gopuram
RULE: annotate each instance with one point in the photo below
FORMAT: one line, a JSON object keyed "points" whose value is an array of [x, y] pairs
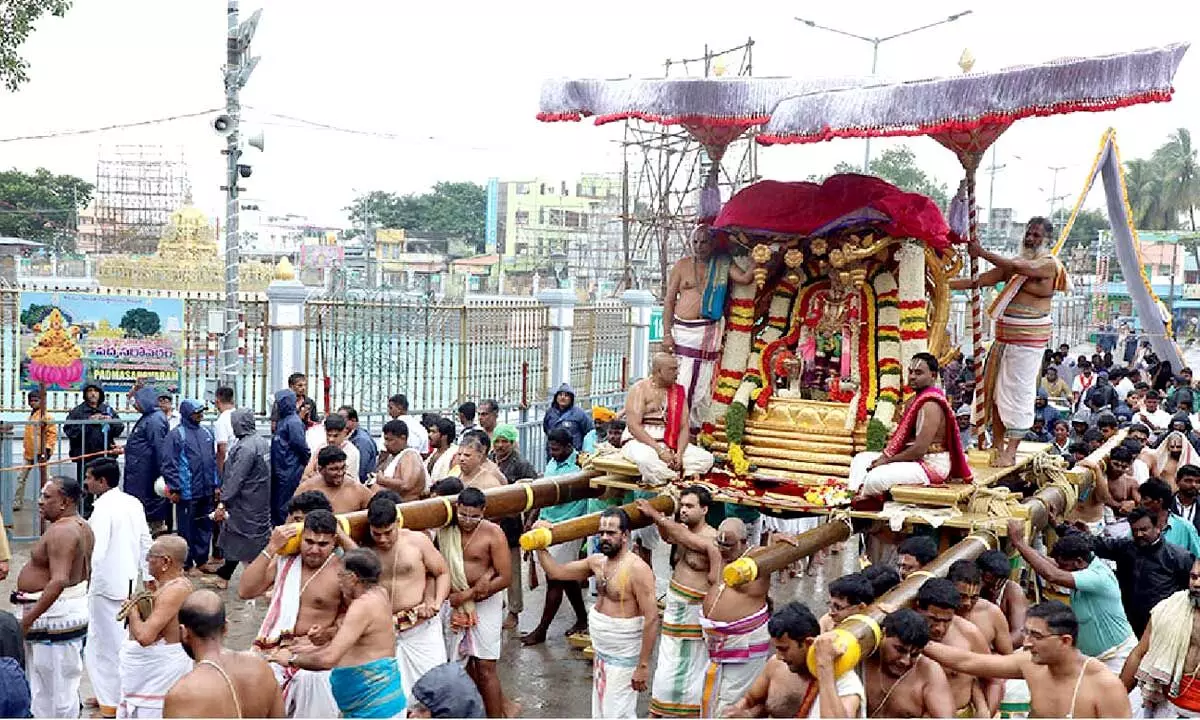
{"points": [[188, 259]]}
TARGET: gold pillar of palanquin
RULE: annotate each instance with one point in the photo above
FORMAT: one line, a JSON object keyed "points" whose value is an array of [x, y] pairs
{"points": [[188, 259], [846, 290]]}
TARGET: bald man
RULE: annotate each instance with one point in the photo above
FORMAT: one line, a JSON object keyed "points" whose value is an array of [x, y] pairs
{"points": [[734, 623], [657, 438], [152, 659], [225, 683]]}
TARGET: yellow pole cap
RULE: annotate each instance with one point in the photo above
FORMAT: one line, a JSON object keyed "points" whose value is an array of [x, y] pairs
{"points": [[536, 539], [845, 641], [740, 571], [293, 545]]}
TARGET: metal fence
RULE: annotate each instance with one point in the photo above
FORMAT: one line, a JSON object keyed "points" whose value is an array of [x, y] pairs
{"points": [[600, 348]]}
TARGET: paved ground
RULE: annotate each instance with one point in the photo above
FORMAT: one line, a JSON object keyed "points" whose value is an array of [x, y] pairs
{"points": [[550, 680]]}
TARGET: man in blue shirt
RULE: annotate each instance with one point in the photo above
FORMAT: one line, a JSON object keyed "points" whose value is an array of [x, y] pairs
{"points": [[1156, 497], [563, 461], [1104, 631], [368, 451]]}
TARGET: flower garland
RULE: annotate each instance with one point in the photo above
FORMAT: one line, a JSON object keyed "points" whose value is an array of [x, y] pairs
{"points": [[914, 319], [887, 341], [799, 312], [739, 329]]}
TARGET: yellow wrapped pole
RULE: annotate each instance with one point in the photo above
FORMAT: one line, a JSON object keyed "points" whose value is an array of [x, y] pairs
{"points": [[779, 555], [436, 512], [587, 525]]}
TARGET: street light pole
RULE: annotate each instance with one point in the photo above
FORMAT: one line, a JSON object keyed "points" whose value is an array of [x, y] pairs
{"points": [[875, 43]]}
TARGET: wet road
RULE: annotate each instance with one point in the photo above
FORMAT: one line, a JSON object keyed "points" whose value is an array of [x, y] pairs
{"points": [[549, 680]]}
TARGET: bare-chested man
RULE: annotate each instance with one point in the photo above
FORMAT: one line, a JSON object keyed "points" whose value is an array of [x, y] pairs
{"points": [[472, 465], [624, 622], [224, 683], [1023, 329], [365, 674], [1063, 682], [346, 494], [477, 555], [786, 688], [1090, 508], [682, 654], [657, 437], [400, 466], [1171, 454], [1168, 687], [411, 565], [924, 448], [938, 601], [306, 602], [152, 660], [734, 622], [985, 615], [1003, 592], [848, 595], [901, 682], [51, 601], [693, 308]]}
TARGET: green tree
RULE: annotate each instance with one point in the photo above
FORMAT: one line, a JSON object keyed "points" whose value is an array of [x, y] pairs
{"points": [[35, 313], [42, 206], [898, 166], [1086, 230], [1179, 174], [458, 209], [1147, 196], [16, 22], [140, 322]]}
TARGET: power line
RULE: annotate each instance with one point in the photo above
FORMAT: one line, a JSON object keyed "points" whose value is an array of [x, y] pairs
{"points": [[107, 128]]}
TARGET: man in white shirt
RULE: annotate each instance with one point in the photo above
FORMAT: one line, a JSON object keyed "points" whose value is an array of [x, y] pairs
{"points": [[118, 522], [166, 403], [1084, 381], [337, 434], [223, 428], [418, 437], [1125, 386], [1153, 416]]}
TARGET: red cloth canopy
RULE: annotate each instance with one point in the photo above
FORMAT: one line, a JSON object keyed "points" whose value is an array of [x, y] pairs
{"points": [[841, 202]]}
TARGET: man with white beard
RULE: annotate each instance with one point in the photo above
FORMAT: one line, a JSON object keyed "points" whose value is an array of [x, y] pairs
{"points": [[1023, 330]]}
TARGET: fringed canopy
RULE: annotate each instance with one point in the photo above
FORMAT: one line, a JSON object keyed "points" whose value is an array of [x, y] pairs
{"points": [[970, 105]]}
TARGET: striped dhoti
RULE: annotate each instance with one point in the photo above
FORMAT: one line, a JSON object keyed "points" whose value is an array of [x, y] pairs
{"points": [[682, 656], [1010, 376], [737, 653], [698, 347]]}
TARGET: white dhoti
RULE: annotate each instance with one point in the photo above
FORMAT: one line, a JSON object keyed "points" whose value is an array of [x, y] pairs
{"points": [[617, 643], [306, 693], [883, 478], [737, 653], [54, 651], [698, 347], [682, 656], [1114, 657], [102, 651], [696, 460], [419, 649], [147, 673], [1010, 377], [482, 640]]}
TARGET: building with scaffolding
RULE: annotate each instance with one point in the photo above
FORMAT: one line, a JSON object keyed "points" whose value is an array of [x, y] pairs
{"points": [[137, 189]]}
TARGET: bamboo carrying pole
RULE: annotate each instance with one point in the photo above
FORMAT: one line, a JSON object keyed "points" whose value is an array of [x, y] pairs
{"points": [[502, 501], [780, 555], [581, 527], [860, 634]]}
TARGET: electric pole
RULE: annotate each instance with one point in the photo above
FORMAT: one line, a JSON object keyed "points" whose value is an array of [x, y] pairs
{"points": [[1054, 196], [991, 225], [238, 66]]}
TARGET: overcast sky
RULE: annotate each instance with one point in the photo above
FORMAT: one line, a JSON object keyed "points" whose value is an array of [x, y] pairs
{"points": [[457, 84]]}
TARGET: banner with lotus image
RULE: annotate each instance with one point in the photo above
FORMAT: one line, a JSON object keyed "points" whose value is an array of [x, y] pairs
{"points": [[69, 340]]}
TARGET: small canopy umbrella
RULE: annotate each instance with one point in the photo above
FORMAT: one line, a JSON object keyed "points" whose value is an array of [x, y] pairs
{"points": [[966, 113]]}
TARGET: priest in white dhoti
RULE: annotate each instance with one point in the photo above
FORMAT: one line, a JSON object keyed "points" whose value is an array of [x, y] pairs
{"points": [[118, 523], [656, 435], [1023, 328], [306, 693], [924, 449]]}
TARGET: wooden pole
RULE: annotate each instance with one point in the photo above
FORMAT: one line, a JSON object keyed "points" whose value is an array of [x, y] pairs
{"points": [[581, 527], [502, 501], [970, 163], [780, 555]]}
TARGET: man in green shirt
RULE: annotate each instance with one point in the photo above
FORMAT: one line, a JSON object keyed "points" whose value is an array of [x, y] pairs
{"points": [[1156, 497], [1104, 631], [563, 461]]}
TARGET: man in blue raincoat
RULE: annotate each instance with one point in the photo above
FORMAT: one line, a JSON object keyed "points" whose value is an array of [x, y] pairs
{"points": [[142, 459], [289, 455], [565, 414], [189, 467]]}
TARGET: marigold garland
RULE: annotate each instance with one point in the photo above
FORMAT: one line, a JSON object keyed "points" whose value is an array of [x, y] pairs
{"points": [[737, 459]]}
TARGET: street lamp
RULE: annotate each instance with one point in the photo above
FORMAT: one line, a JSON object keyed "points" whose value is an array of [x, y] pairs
{"points": [[875, 43]]}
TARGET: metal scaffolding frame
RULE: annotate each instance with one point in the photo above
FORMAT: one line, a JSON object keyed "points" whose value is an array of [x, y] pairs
{"points": [[137, 189]]}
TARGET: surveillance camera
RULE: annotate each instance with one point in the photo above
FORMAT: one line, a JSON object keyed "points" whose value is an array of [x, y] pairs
{"points": [[224, 125], [245, 170]]}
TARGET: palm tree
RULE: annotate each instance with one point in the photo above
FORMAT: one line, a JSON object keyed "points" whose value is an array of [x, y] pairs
{"points": [[1180, 175], [1147, 196]]}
